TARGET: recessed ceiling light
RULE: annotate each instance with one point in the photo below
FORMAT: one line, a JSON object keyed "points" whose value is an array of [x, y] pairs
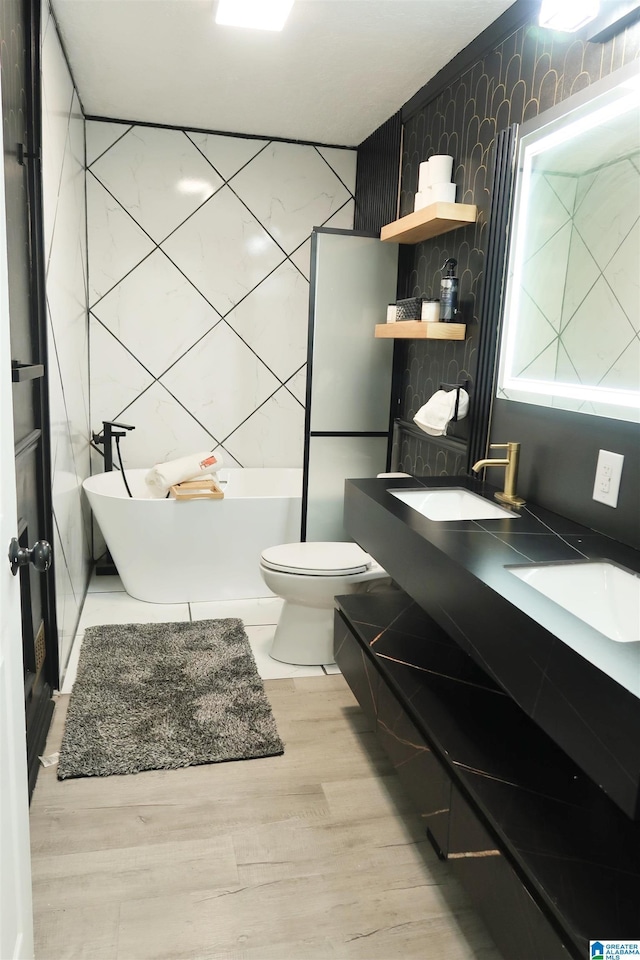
{"points": [[567, 15], [256, 14]]}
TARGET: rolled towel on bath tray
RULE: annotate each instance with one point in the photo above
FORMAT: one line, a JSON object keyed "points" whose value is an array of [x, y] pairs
{"points": [[163, 476], [204, 488]]}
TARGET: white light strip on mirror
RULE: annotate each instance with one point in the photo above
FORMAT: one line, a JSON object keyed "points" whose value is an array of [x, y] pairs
{"points": [[574, 391], [588, 122]]}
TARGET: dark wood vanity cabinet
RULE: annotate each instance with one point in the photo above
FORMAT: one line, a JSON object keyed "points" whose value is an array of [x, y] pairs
{"points": [[520, 754], [422, 775], [539, 848], [516, 921]]}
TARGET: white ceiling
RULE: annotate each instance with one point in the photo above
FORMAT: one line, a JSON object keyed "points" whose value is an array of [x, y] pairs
{"points": [[337, 71]]}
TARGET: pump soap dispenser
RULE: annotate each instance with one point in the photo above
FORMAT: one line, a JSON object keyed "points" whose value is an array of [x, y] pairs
{"points": [[449, 292]]}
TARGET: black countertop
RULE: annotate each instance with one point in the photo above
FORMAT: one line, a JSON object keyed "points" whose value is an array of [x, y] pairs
{"points": [[456, 571], [577, 851]]}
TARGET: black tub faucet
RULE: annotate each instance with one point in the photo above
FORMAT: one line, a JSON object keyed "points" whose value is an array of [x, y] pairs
{"points": [[110, 430]]}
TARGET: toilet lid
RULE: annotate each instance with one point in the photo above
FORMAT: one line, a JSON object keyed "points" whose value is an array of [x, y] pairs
{"points": [[317, 559]]}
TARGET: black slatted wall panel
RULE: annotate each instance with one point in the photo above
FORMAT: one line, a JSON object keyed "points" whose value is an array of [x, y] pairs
{"points": [[492, 288], [378, 176]]}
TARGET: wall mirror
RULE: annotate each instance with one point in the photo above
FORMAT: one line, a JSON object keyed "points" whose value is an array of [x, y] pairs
{"points": [[571, 312]]}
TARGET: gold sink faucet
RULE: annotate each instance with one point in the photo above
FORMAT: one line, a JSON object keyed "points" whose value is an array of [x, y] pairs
{"points": [[510, 462]]}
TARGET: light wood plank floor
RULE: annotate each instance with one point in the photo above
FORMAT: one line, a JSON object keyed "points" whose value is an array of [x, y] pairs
{"points": [[314, 855]]}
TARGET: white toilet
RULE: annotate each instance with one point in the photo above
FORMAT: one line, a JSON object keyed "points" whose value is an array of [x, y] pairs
{"points": [[307, 576]]}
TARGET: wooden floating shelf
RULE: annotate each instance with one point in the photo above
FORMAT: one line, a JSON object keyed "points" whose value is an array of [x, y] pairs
{"points": [[429, 222], [421, 330]]}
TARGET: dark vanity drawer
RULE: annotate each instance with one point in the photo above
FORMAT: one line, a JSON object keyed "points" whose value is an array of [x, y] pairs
{"points": [[514, 919], [357, 668], [422, 775]]}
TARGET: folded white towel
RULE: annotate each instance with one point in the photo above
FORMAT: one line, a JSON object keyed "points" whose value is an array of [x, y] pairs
{"points": [[436, 413], [164, 475]]}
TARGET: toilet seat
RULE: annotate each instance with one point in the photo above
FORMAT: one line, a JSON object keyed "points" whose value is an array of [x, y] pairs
{"points": [[317, 559]]}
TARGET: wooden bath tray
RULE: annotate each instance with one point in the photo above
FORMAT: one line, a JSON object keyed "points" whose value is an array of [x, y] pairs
{"points": [[197, 490]]}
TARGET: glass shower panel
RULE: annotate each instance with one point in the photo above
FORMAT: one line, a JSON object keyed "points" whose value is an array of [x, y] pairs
{"points": [[354, 280], [332, 460]]}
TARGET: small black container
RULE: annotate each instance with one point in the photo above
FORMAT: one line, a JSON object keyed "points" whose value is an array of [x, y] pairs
{"points": [[410, 309]]}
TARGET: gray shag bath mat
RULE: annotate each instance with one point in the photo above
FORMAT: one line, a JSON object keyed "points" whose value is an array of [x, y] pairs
{"points": [[159, 696]]}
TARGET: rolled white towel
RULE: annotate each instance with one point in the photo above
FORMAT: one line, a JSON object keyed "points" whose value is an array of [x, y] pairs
{"points": [[164, 475]]}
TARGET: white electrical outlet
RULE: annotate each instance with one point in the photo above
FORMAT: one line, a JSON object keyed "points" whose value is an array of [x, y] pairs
{"points": [[608, 473]]}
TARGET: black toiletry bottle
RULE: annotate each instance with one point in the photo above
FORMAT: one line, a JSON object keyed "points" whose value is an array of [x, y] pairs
{"points": [[449, 292]]}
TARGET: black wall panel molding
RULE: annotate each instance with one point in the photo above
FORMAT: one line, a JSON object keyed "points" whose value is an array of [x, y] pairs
{"points": [[218, 133]]}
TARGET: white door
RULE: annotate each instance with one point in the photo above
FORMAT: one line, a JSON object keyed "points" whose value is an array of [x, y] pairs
{"points": [[16, 922]]}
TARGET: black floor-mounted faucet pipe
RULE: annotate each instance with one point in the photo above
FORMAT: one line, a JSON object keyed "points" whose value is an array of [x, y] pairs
{"points": [[110, 430]]}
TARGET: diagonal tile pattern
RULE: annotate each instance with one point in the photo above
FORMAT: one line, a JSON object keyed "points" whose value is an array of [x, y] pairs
{"points": [[227, 155], [283, 297], [101, 136], [290, 187], [201, 382], [170, 302], [149, 163], [199, 286], [274, 432], [117, 378], [116, 243], [165, 428], [605, 217], [607, 341], [589, 231], [224, 250]]}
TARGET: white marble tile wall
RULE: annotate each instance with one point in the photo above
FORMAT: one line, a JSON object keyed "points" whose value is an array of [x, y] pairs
{"points": [[66, 292], [199, 287], [601, 331]]}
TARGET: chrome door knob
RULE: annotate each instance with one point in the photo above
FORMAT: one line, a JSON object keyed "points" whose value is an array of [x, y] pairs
{"points": [[40, 555]]}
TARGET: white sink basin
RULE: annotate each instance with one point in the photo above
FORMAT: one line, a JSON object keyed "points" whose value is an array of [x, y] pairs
{"points": [[450, 503], [599, 592]]}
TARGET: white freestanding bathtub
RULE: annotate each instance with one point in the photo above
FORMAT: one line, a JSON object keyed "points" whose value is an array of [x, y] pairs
{"points": [[170, 551]]}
